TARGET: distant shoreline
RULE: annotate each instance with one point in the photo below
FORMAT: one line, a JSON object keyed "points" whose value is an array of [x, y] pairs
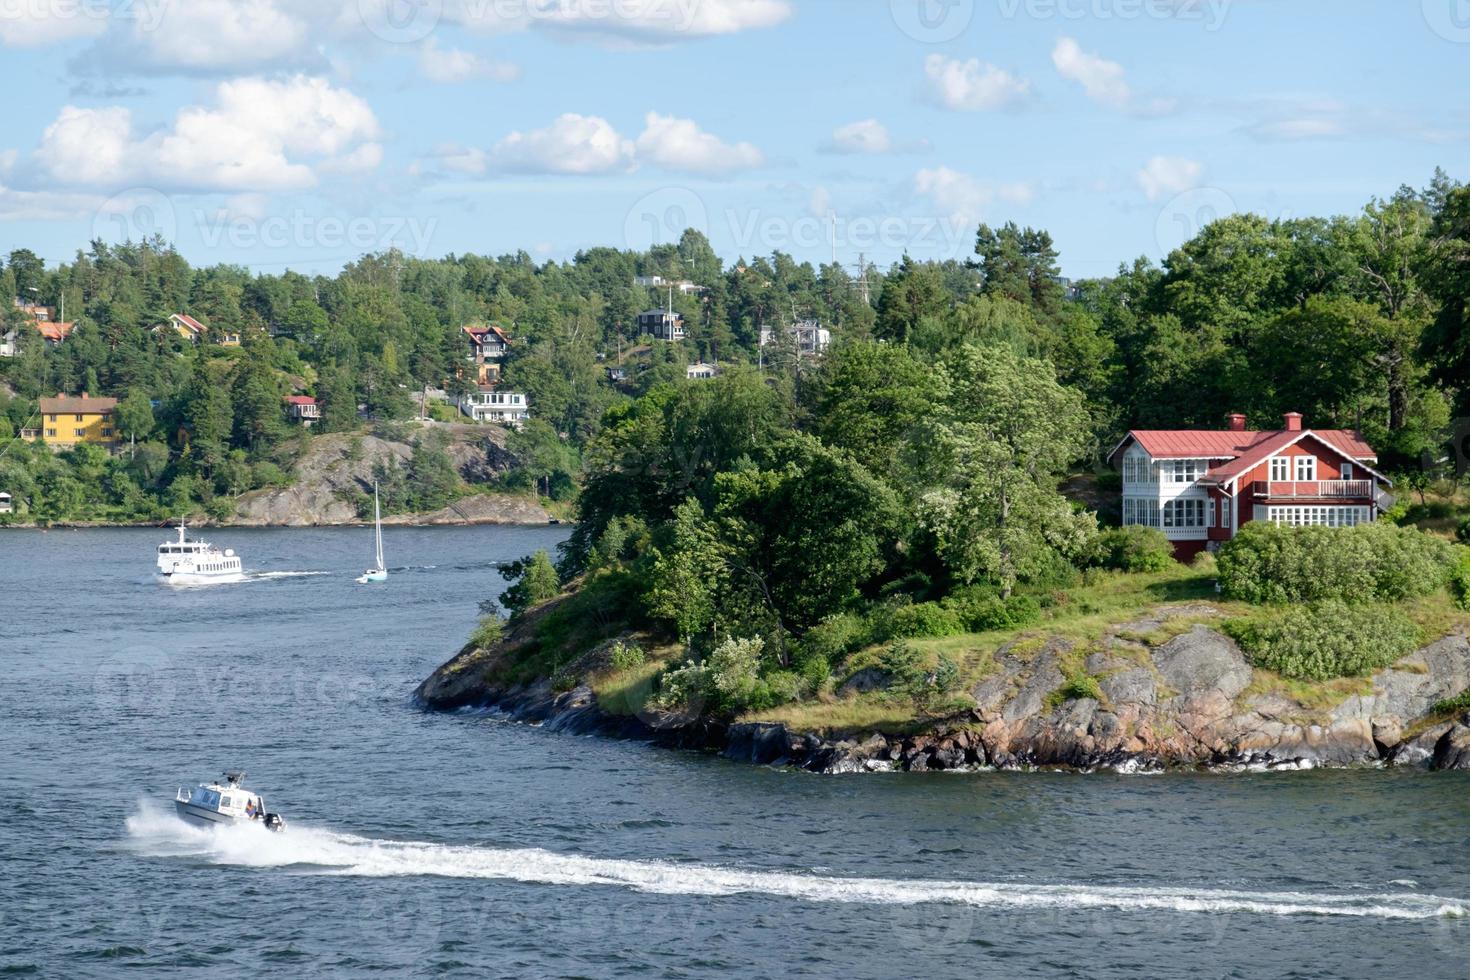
{"points": [[397, 520]]}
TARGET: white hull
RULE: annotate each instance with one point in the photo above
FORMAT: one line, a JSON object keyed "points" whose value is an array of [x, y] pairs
{"points": [[200, 816], [186, 562], [201, 578]]}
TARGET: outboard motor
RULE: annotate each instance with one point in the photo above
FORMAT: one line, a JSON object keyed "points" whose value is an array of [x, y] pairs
{"points": [[275, 823]]}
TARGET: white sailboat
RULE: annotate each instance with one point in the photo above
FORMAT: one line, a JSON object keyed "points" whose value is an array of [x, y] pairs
{"points": [[379, 572]]}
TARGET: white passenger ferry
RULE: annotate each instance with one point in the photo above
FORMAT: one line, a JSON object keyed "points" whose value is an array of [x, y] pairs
{"points": [[191, 562], [230, 803]]}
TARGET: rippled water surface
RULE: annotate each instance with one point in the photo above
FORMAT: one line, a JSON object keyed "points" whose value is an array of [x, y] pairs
{"points": [[462, 845]]}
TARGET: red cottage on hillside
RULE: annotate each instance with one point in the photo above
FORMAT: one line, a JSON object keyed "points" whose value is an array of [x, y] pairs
{"points": [[1199, 485]]}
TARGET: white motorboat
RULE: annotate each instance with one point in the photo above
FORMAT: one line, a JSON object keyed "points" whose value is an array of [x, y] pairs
{"points": [[193, 562], [379, 572], [213, 803]]}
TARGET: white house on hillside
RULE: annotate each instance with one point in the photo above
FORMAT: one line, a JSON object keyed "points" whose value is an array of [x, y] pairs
{"points": [[809, 336], [508, 408]]}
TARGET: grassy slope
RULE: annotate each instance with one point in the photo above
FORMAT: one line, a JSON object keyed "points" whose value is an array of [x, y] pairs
{"points": [[568, 638]]}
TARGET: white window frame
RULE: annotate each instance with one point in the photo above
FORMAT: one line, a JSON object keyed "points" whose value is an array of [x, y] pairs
{"points": [[1347, 471], [1280, 469], [1305, 468]]}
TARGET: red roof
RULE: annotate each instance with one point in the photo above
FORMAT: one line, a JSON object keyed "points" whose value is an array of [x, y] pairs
{"points": [[55, 332], [478, 332], [189, 322], [300, 400], [1228, 444]]}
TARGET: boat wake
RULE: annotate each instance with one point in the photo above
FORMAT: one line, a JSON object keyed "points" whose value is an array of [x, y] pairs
{"points": [[272, 576], [315, 851]]}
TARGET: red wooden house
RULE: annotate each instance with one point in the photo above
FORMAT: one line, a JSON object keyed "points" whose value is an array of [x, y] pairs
{"points": [[1199, 486]]}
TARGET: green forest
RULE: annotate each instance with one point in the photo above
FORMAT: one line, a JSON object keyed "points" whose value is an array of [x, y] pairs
{"points": [[780, 528], [949, 385]]}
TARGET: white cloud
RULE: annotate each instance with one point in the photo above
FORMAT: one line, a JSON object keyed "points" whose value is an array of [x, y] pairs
{"points": [[207, 37], [462, 159], [17, 205], [573, 144], [821, 202], [972, 86], [1320, 126], [30, 24], [867, 136], [258, 135], [679, 144], [1103, 81], [451, 66], [964, 199], [961, 197], [627, 21], [1163, 175]]}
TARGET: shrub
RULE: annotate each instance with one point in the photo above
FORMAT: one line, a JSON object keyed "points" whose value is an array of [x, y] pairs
{"points": [[1326, 640], [490, 632], [1453, 706], [1460, 580], [984, 612], [728, 682], [1075, 688], [925, 619], [627, 656], [1135, 548], [910, 677], [1462, 531], [1052, 570], [834, 638], [1370, 562]]}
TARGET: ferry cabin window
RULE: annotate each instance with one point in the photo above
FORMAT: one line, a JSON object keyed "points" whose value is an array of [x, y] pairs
{"points": [[226, 803]]}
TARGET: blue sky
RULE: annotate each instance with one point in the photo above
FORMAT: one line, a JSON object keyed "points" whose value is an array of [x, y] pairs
{"points": [[301, 133]]}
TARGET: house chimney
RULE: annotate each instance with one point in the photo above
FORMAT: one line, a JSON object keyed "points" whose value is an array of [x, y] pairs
{"points": [[1236, 421], [1293, 421]]}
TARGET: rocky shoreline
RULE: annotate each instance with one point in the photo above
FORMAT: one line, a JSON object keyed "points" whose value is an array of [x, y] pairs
{"points": [[1192, 701]]}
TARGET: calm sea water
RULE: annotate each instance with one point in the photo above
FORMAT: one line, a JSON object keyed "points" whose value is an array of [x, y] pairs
{"points": [[464, 846]]}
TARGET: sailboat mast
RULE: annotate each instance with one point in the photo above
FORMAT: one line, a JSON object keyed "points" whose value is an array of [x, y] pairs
{"points": [[378, 523]]}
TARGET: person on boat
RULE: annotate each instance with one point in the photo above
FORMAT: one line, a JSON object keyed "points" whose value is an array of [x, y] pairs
{"points": [[250, 809]]}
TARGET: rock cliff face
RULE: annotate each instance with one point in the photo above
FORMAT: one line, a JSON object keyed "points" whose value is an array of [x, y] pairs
{"points": [[1193, 701], [341, 464]]}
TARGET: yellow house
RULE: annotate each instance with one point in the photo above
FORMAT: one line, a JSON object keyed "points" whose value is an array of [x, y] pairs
{"points": [[67, 420]]}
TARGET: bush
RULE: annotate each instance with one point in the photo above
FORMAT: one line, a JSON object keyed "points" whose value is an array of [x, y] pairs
{"points": [[1460, 580], [982, 611], [490, 632], [1462, 531], [910, 677], [924, 619], [627, 656], [1370, 562], [729, 682], [1076, 688], [1134, 548], [834, 638], [1326, 640], [1455, 705]]}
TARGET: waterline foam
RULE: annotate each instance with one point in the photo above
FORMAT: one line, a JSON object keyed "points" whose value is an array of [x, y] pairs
{"points": [[153, 833]]}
